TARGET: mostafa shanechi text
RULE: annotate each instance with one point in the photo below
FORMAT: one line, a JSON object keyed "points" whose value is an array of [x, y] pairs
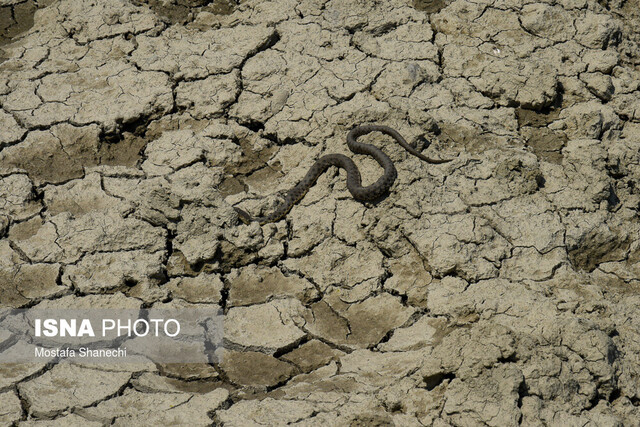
{"points": [[82, 352]]}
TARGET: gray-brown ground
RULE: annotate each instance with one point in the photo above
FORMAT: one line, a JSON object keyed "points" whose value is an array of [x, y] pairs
{"points": [[498, 289]]}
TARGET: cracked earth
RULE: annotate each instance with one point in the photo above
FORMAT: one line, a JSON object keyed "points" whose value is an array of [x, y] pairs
{"points": [[499, 289]]}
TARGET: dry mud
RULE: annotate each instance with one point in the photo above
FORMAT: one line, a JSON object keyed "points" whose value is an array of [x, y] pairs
{"points": [[499, 289]]}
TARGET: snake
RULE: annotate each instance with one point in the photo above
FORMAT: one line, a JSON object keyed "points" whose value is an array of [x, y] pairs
{"points": [[354, 180]]}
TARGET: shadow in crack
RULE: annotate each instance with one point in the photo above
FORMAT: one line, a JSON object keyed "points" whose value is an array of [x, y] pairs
{"points": [[431, 6], [185, 11], [16, 19]]}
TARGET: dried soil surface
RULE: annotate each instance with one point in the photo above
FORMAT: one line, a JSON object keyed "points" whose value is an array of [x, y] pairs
{"points": [[499, 289]]}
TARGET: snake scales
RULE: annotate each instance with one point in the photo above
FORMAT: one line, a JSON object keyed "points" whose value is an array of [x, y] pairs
{"points": [[354, 183]]}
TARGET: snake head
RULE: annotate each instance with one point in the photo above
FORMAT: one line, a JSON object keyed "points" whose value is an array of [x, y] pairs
{"points": [[243, 216]]}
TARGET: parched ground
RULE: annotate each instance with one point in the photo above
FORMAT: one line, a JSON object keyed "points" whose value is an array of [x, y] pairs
{"points": [[499, 289]]}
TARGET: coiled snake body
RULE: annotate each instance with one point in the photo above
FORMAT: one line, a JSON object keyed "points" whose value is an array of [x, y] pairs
{"points": [[354, 182]]}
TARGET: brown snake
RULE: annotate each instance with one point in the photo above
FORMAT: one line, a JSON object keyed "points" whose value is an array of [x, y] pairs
{"points": [[354, 183]]}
